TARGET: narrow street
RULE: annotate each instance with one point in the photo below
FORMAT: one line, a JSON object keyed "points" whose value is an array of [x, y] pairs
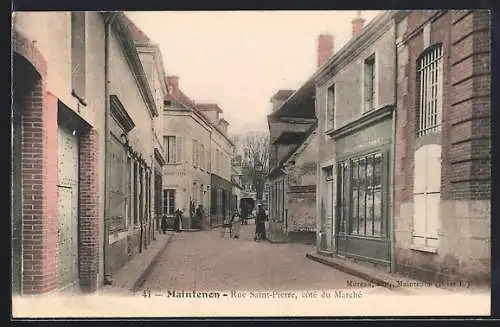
{"points": [[206, 261]]}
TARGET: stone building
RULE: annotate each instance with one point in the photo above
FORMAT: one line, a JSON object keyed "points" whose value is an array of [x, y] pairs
{"points": [[355, 105], [221, 148], [82, 108], [292, 159], [152, 61], [198, 158], [443, 161], [187, 173]]}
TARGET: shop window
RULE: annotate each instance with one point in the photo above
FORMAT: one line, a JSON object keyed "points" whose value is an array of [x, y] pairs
{"points": [[360, 196]]}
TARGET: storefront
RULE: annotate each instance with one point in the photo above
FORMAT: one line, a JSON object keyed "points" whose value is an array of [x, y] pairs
{"points": [[221, 198], [362, 229]]}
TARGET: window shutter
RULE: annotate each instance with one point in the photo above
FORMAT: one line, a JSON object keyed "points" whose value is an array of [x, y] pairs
{"points": [[179, 149], [420, 171], [433, 201], [433, 168]]}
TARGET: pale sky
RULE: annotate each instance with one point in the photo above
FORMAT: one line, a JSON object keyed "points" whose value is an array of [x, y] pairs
{"points": [[239, 59]]}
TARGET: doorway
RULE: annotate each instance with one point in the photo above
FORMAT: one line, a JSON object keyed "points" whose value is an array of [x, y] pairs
{"points": [[68, 172], [326, 241]]}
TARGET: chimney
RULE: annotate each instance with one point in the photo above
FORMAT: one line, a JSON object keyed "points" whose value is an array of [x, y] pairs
{"points": [[173, 84], [357, 25], [325, 48]]}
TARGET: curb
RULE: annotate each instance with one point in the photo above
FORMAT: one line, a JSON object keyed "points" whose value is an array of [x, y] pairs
{"points": [[372, 278], [145, 274]]}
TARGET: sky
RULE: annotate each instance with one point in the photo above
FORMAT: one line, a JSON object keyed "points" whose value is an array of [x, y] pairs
{"points": [[239, 59]]}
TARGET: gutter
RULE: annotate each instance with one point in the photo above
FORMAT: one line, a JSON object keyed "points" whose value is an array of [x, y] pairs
{"points": [[108, 21], [393, 154]]}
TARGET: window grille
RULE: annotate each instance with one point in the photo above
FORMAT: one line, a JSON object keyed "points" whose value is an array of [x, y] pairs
{"points": [[429, 95]]}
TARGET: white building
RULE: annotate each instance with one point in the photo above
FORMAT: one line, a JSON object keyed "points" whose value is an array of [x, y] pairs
{"points": [[197, 152]]}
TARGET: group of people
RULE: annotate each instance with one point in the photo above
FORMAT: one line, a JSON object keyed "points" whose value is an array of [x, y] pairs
{"points": [[260, 224], [236, 221]]}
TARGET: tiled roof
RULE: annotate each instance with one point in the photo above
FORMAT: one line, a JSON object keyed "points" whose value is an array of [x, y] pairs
{"points": [[137, 34], [283, 94], [209, 106]]}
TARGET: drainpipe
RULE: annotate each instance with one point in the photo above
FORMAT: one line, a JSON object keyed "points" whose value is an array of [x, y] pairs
{"points": [[393, 155], [108, 21]]}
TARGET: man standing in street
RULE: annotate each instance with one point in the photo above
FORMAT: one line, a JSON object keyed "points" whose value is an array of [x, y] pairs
{"points": [[260, 223]]}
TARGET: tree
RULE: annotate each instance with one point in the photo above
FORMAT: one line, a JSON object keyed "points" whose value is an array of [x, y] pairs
{"points": [[253, 148]]}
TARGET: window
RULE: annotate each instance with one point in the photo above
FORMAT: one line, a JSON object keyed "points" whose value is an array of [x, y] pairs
{"points": [[208, 160], [427, 168], [330, 108], [217, 161], [429, 94], [369, 83], [202, 156], [78, 61], [170, 146], [136, 193], [193, 153], [360, 196], [168, 202]]}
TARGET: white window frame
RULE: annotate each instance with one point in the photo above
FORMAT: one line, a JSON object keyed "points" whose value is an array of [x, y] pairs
{"points": [[170, 156], [166, 201], [428, 165], [430, 94]]}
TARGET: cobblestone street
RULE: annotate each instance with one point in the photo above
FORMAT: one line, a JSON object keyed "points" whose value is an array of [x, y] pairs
{"points": [[206, 261]]}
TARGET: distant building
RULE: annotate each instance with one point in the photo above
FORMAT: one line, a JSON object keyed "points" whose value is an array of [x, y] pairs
{"points": [[293, 159], [198, 159]]}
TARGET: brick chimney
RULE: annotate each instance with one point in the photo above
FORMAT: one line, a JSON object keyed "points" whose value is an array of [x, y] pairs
{"points": [[325, 48], [357, 25], [173, 85]]}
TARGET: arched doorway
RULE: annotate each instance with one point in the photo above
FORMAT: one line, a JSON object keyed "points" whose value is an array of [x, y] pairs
{"points": [[26, 82]]}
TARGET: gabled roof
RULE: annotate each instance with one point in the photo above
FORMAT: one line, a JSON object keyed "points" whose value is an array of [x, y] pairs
{"points": [[209, 107], [187, 103], [137, 34], [282, 94], [305, 136]]}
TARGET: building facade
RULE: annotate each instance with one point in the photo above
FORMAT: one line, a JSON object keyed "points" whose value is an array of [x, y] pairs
{"points": [[443, 160], [186, 137], [130, 150], [221, 148], [291, 178], [355, 104], [83, 115], [152, 61], [198, 160], [293, 151], [58, 125]]}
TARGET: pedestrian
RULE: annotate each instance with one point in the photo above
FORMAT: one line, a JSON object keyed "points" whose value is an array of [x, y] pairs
{"points": [[199, 216], [177, 220], [236, 223], [244, 213], [260, 224], [164, 224]]}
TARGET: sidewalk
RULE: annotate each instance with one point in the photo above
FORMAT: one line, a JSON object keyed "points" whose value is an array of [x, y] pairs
{"points": [[400, 284], [135, 272]]}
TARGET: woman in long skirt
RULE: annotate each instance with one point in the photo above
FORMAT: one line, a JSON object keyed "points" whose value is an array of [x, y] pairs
{"points": [[236, 223]]}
